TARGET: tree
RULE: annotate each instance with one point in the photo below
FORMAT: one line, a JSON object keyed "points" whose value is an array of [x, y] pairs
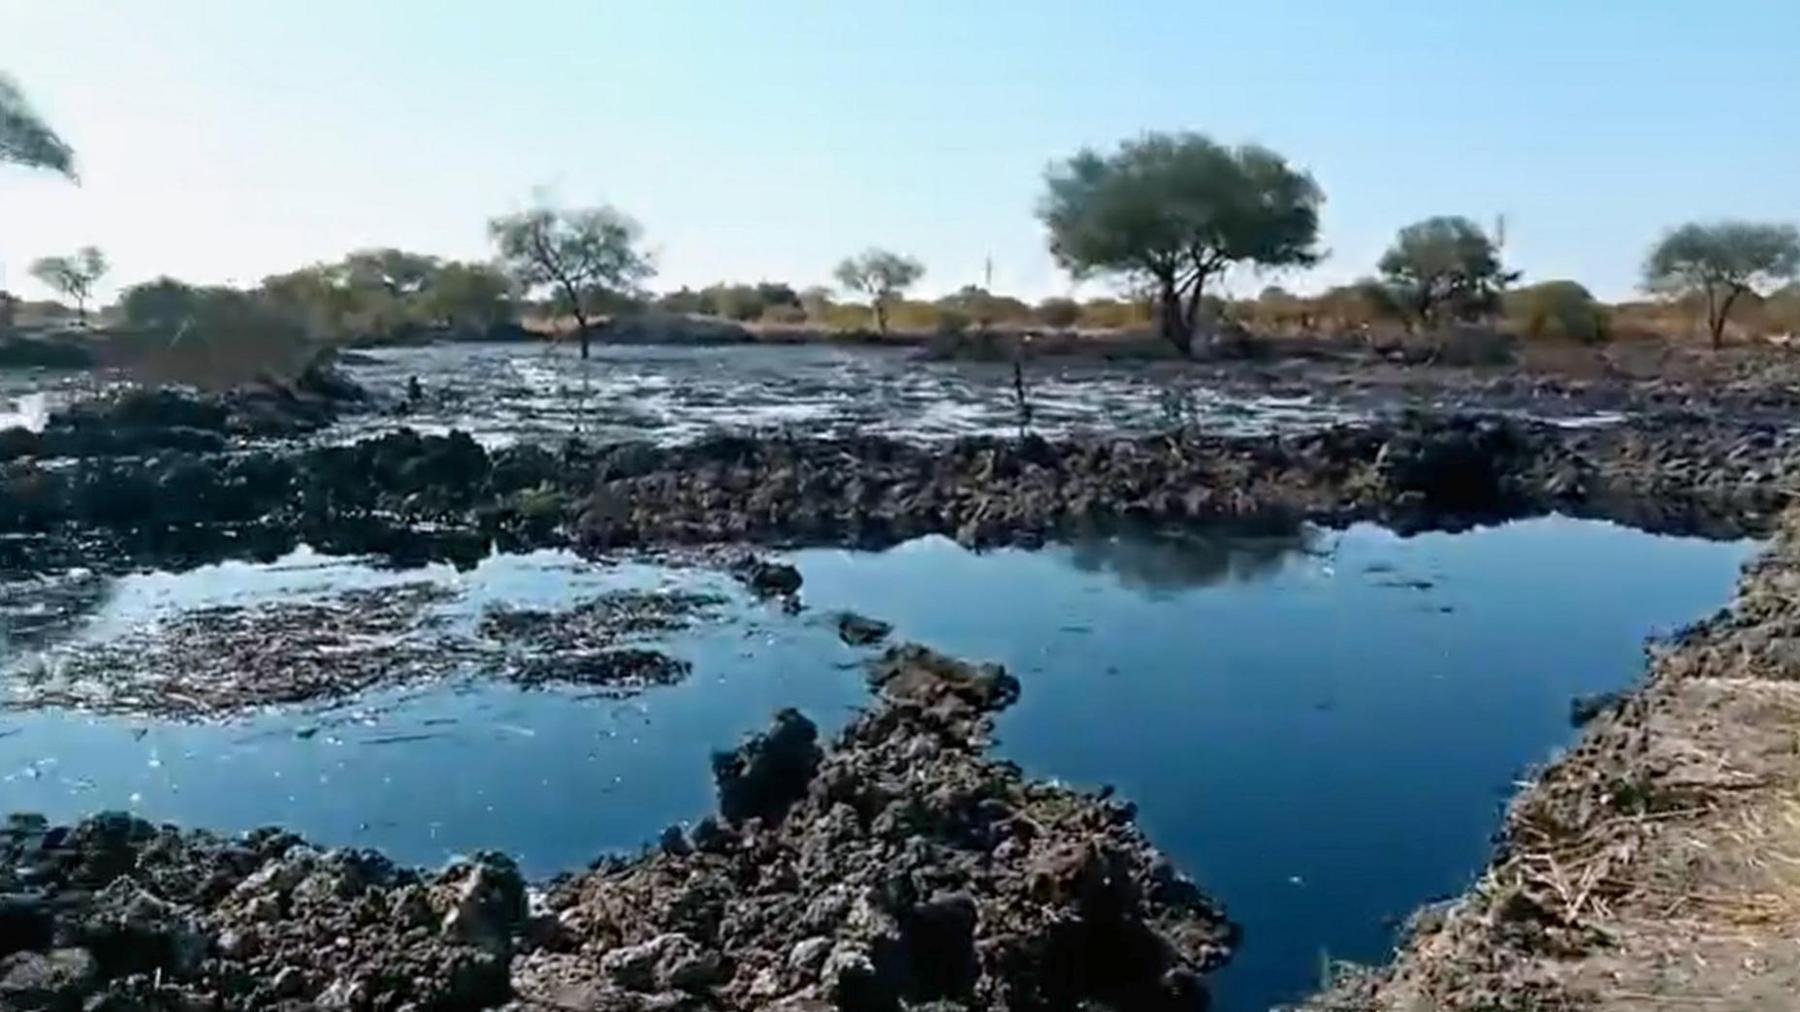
{"points": [[73, 276], [319, 299], [1720, 263], [582, 256], [467, 297], [1444, 264], [1174, 211], [882, 276], [164, 306], [24, 137]]}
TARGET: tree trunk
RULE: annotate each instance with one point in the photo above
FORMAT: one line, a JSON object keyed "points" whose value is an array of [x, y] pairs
{"points": [[1716, 319], [880, 308], [581, 332], [1190, 315], [1170, 318]]}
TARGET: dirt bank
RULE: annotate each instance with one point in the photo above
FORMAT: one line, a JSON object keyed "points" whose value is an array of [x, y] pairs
{"points": [[1657, 865], [132, 421], [1419, 472], [898, 866], [410, 496]]}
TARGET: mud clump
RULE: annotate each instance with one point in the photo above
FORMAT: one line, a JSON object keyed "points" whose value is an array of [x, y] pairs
{"points": [[147, 420], [766, 577], [128, 915], [908, 871], [900, 868], [766, 775], [860, 630], [588, 644]]}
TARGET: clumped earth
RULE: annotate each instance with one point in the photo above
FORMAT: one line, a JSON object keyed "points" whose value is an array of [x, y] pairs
{"points": [[1657, 865], [217, 661], [898, 869], [581, 645], [408, 495], [144, 420]]}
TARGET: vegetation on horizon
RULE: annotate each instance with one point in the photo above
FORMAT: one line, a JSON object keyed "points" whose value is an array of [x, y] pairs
{"points": [[1166, 215]]}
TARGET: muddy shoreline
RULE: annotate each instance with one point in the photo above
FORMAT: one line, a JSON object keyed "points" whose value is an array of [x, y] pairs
{"points": [[409, 497], [899, 867]]}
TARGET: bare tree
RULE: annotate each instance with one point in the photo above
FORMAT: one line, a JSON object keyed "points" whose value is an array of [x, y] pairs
{"points": [[582, 256], [880, 275], [73, 276]]}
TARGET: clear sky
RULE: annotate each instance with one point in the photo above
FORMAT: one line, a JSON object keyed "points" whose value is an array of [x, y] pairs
{"points": [[226, 140]]}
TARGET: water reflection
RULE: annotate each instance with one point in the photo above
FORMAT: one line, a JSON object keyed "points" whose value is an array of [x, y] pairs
{"points": [[1158, 561]]}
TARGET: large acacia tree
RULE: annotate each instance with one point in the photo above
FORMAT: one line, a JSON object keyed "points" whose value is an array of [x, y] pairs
{"points": [[25, 139], [581, 256], [1174, 212], [1720, 263], [1445, 266]]}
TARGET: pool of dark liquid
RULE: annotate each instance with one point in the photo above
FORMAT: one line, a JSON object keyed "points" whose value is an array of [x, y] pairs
{"points": [[1321, 728]]}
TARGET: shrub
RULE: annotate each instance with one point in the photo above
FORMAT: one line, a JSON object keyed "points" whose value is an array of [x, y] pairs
{"points": [[1556, 309], [212, 338], [1058, 312]]}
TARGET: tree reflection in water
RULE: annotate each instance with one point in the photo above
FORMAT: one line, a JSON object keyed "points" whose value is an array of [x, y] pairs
{"points": [[1169, 560]]}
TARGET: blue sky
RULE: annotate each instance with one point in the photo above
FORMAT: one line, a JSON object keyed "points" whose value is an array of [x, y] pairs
{"points": [[227, 140]]}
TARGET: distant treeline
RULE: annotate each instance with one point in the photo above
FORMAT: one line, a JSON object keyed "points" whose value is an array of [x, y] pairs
{"points": [[1163, 217]]}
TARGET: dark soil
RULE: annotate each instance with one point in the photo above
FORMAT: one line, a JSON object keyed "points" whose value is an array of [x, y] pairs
{"points": [[141, 420], [901, 869], [412, 497]]}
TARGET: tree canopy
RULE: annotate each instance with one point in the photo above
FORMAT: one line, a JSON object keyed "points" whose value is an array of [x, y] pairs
{"points": [[1719, 263], [582, 256], [1444, 266], [25, 139], [73, 276], [1175, 211], [881, 275]]}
